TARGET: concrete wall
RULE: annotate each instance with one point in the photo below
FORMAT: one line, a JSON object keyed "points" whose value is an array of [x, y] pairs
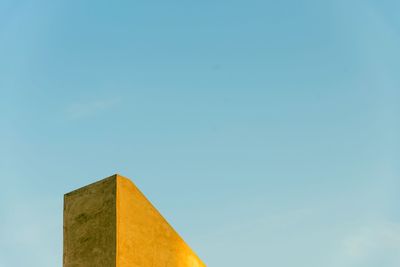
{"points": [[89, 225], [111, 223]]}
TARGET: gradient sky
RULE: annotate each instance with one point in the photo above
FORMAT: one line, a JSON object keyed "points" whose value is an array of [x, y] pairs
{"points": [[266, 132]]}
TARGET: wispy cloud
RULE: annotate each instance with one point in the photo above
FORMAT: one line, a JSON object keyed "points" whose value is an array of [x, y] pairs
{"points": [[80, 110], [370, 245]]}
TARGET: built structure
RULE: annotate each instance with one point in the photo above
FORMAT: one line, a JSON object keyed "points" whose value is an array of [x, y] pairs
{"points": [[110, 223]]}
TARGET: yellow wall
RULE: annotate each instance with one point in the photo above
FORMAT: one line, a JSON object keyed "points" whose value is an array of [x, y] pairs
{"points": [[111, 223], [144, 237]]}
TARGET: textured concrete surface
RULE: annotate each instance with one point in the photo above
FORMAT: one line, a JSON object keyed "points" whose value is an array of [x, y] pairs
{"points": [[89, 225], [111, 223]]}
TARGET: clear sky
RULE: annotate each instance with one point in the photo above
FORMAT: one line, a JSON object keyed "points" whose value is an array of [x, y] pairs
{"points": [[266, 132]]}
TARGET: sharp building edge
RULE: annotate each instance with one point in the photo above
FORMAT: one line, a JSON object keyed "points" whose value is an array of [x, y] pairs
{"points": [[111, 223]]}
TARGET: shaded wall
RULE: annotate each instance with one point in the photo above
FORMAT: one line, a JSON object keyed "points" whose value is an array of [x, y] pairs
{"points": [[89, 225]]}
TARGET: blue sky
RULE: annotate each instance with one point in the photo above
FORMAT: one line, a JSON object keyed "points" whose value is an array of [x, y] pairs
{"points": [[266, 132]]}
